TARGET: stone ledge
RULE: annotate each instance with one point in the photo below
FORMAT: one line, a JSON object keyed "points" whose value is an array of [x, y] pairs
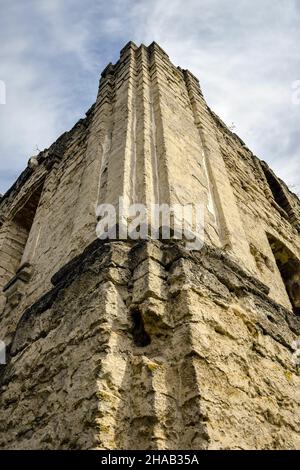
{"points": [[221, 266], [24, 274], [14, 289]]}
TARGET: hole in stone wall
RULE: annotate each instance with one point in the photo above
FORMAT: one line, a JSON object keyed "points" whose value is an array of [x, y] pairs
{"points": [[289, 268], [277, 191], [16, 236], [140, 336], [25, 216]]}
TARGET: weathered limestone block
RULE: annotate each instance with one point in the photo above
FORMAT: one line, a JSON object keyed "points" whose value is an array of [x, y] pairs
{"points": [[123, 344], [212, 374]]}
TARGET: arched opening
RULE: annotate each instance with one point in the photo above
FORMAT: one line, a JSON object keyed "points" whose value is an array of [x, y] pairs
{"points": [[289, 267], [140, 336], [15, 233], [278, 192]]}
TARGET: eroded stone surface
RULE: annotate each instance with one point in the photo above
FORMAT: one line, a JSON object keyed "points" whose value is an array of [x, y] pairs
{"points": [[217, 373], [124, 344]]}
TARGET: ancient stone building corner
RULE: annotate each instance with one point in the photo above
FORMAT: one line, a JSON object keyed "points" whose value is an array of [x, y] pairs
{"points": [[145, 344]]}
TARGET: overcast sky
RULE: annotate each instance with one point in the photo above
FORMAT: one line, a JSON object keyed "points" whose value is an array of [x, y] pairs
{"points": [[245, 53]]}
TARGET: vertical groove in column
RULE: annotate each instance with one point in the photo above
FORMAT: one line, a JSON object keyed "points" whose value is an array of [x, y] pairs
{"points": [[233, 236], [132, 131], [159, 152], [90, 185], [130, 151], [144, 130], [106, 138], [154, 150], [122, 156], [150, 146], [215, 197]]}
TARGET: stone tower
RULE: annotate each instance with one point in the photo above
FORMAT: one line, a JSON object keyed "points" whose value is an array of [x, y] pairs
{"points": [[143, 344]]}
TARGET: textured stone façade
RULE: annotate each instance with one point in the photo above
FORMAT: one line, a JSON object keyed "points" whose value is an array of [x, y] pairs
{"points": [[145, 345]]}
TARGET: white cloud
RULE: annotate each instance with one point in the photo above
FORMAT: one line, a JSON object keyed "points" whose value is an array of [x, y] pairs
{"points": [[244, 53], [246, 57]]}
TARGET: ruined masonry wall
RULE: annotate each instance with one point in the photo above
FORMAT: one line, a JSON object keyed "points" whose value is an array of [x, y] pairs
{"points": [[214, 373], [126, 345], [259, 212]]}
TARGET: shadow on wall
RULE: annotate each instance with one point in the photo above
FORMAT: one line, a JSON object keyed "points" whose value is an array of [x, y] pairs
{"points": [[289, 267]]}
